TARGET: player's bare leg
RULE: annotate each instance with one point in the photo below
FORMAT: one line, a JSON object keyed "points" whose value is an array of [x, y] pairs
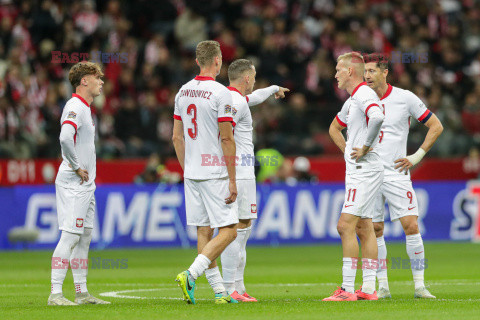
{"points": [[346, 229], [212, 274], [416, 253], [366, 234], [212, 248], [382, 277]]}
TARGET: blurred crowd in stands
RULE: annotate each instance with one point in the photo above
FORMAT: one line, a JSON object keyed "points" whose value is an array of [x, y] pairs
{"points": [[293, 44]]}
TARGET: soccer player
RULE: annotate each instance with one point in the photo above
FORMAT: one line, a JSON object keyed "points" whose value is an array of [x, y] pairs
{"points": [[397, 188], [362, 116], [205, 147], [75, 186], [241, 74]]}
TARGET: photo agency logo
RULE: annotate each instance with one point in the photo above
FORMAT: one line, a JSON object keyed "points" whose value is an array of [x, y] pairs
{"points": [[395, 57], [244, 160], [94, 56], [396, 263], [92, 263], [408, 57]]}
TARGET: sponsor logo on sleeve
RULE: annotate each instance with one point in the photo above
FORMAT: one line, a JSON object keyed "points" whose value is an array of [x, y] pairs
{"points": [[71, 115]]}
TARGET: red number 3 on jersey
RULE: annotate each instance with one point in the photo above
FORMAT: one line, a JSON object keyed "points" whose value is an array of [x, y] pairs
{"points": [[192, 110]]}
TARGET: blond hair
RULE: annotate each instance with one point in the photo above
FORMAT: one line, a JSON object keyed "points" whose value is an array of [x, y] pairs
{"points": [[355, 59], [207, 51], [81, 69]]}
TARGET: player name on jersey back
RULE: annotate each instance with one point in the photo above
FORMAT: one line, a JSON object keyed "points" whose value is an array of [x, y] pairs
{"points": [[195, 94], [201, 104]]}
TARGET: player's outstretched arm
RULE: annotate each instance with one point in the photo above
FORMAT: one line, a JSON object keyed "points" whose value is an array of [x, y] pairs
{"points": [[335, 132], [179, 141], [260, 95], [435, 128], [229, 152]]}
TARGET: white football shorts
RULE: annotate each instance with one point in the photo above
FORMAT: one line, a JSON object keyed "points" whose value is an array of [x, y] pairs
{"points": [[205, 203], [247, 199], [361, 189], [75, 209], [401, 198]]}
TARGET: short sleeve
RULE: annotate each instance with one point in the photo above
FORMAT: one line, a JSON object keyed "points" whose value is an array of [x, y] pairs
{"points": [[72, 115], [368, 99], [238, 112], [176, 111], [342, 115], [224, 106], [417, 108]]}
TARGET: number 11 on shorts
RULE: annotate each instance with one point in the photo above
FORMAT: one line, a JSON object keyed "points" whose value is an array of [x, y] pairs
{"points": [[353, 192]]}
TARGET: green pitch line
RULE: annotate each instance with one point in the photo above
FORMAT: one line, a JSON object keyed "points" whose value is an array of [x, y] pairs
{"points": [[288, 281]]}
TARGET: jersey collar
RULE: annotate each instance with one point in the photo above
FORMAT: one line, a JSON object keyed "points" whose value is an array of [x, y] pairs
{"points": [[202, 78], [74, 95], [235, 89], [387, 93], [358, 87]]}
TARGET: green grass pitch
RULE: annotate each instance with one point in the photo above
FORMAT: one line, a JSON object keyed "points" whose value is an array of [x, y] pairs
{"points": [[288, 281]]}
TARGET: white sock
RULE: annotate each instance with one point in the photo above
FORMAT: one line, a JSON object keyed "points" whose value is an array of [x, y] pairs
{"points": [[199, 266], [239, 284], [215, 280], [382, 264], [230, 260], [60, 259], [369, 267], [79, 261], [81, 287], [416, 253], [349, 271]]}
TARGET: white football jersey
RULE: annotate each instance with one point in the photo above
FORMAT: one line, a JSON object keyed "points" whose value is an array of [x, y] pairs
{"points": [[399, 106], [353, 115], [78, 114], [201, 104], [242, 120]]}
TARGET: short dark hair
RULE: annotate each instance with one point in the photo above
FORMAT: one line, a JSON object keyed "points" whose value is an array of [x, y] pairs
{"points": [[380, 59], [206, 51], [238, 67]]}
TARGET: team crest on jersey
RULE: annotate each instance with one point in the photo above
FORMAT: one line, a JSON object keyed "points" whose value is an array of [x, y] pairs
{"points": [[79, 223], [71, 115], [228, 109], [234, 111], [254, 208]]}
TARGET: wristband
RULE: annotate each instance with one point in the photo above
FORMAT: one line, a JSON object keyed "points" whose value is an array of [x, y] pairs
{"points": [[417, 156]]}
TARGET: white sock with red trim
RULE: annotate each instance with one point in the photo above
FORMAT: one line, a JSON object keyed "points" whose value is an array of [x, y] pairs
{"points": [[60, 259], [416, 253], [243, 235], [349, 271], [382, 276], [79, 261]]}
